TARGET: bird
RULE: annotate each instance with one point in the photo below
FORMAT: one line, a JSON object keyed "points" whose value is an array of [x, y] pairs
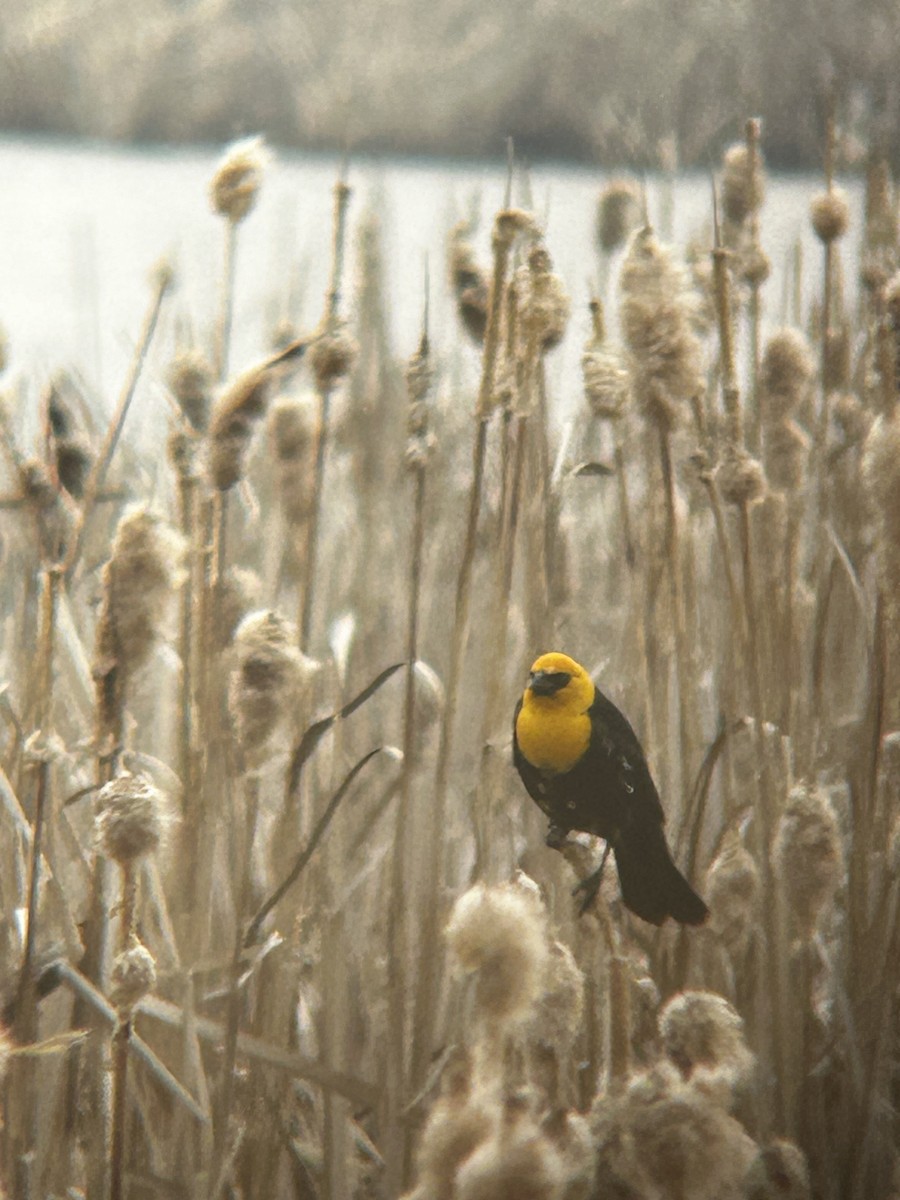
{"points": [[582, 763]]}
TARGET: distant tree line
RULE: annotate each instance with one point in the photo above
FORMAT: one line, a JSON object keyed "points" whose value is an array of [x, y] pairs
{"points": [[609, 81]]}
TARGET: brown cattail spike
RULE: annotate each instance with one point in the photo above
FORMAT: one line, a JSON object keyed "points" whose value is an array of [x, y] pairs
{"points": [[130, 818], [830, 215], [133, 976], [190, 380], [807, 855], [618, 214], [238, 178]]}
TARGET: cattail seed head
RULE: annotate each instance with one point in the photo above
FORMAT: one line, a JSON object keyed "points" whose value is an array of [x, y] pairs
{"points": [[469, 282], [544, 305], [732, 891], [607, 382], [144, 568], [740, 477], [290, 428], [130, 818], [556, 1019], [755, 267], [852, 418], [238, 178], [743, 183], [778, 1172], [267, 679], [190, 380], [787, 455], [509, 223], [701, 1029], [74, 459], [881, 482], [830, 215], [233, 420], [785, 372], [498, 935], [456, 1126], [618, 213], [332, 354], [133, 976], [518, 1162], [657, 312], [54, 519], [807, 855]]}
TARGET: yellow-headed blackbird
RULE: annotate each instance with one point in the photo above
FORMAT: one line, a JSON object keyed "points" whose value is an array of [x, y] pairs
{"points": [[582, 763]]}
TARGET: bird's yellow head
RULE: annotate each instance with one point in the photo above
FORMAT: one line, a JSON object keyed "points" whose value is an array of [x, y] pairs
{"points": [[559, 681]]}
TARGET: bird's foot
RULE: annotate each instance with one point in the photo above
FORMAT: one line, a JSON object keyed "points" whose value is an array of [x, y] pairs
{"points": [[556, 837], [588, 887]]}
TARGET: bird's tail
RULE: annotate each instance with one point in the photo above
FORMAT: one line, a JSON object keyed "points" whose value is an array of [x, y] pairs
{"points": [[652, 886]]}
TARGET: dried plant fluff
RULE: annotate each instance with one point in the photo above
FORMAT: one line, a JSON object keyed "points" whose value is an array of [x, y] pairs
{"points": [[732, 892], [778, 1172], [657, 313], [740, 477], [786, 370], [743, 183], [144, 569], [130, 818], [618, 213], [290, 428], [332, 354], [701, 1029], [518, 1162], [469, 282], [267, 678], [190, 380], [830, 215], [233, 420], [498, 935], [238, 177], [556, 1018], [544, 305], [807, 855], [457, 1125], [881, 480], [132, 977]]}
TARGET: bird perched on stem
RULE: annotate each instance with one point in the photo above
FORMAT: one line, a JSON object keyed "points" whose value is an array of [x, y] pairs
{"points": [[582, 763]]}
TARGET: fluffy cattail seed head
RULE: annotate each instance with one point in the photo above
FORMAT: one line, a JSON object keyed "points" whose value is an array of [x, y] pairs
{"points": [[517, 1163], [144, 568], [544, 304], [740, 477], [607, 382], [618, 213], [787, 455], [130, 818], [133, 976], [807, 855], [881, 481], [332, 354], [732, 891], [755, 266], [657, 313], [238, 178], [290, 427], [456, 1126], [234, 418], [556, 1019], [268, 676], [701, 1029], [743, 183], [778, 1172], [190, 380], [830, 215], [851, 417], [498, 935], [785, 372], [509, 223], [469, 283]]}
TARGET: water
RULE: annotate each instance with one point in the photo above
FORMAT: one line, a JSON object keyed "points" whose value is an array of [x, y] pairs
{"points": [[82, 225]]}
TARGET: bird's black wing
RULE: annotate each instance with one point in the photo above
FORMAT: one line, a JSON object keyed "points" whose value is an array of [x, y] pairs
{"points": [[535, 783]]}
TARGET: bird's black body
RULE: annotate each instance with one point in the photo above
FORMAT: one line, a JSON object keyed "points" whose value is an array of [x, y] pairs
{"points": [[609, 792]]}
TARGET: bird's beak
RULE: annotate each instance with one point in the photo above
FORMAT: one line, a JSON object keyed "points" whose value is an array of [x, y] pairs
{"points": [[546, 683]]}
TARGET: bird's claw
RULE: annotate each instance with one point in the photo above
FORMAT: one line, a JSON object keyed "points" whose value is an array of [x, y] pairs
{"points": [[556, 837]]}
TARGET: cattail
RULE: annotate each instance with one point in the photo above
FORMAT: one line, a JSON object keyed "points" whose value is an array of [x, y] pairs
{"points": [[881, 481], [657, 313], [556, 1019], [778, 1172], [607, 383], [785, 373], [572, 1139], [74, 459], [457, 1125], [852, 418], [239, 592], [130, 818], [544, 305], [830, 215], [420, 442], [498, 935], [290, 428], [238, 178], [132, 977], [701, 1029], [332, 354], [144, 568], [268, 676], [754, 265], [469, 282], [787, 456], [743, 183], [618, 214], [807, 855], [518, 1162], [740, 477], [732, 892], [53, 517], [190, 380]]}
